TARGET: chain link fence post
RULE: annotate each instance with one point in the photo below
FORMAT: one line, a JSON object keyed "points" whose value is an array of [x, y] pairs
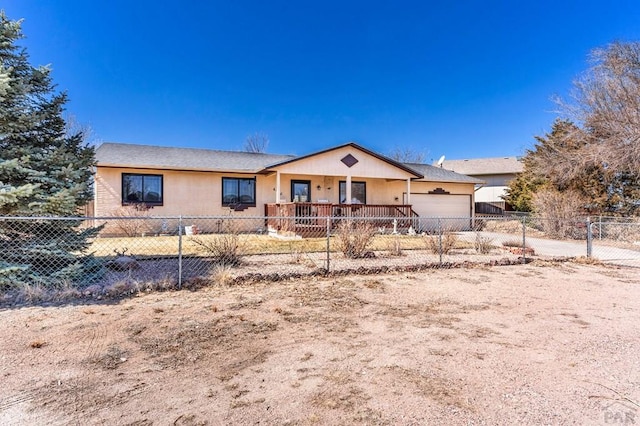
{"points": [[328, 243], [589, 238], [180, 252], [524, 239], [440, 240], [600, 227]]}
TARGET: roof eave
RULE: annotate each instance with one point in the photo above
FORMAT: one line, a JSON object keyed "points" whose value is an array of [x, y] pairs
{"points": [[176, 168], [354, 145]]}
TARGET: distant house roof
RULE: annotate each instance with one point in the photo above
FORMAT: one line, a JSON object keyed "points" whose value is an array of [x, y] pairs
{"points": [[162, 157], [485, 166], [437, 174]]}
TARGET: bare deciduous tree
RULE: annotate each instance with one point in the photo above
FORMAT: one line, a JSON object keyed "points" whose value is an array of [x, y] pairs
{"points": [[406, 155], [73, 127], [258, 142], [606, 103], [594, 155]]}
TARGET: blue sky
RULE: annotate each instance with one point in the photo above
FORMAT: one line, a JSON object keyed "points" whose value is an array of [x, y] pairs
{"points": [[465, 79]]}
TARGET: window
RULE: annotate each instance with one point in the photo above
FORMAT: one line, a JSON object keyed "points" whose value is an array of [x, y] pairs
{"points": [[358, 192], [238, 191], [301, 191], [145, 189]]}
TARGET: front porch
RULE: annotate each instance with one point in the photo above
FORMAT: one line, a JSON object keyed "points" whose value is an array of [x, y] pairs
{"points": [[314, 219]]}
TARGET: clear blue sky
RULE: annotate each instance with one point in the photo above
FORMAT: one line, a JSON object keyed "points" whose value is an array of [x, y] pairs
{"points": [[462, 78]]}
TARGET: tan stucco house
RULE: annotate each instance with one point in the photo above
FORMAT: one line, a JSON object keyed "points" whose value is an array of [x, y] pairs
{"points": [[495, 174], [341, 180]]}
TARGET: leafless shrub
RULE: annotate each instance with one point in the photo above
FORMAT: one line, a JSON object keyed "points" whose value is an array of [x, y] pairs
{"points": [[354, 238], [224, 249], [132, 220], [558, 211], [394, 246], [482, 244], [626, 232], [441, 244], [607, 100]]}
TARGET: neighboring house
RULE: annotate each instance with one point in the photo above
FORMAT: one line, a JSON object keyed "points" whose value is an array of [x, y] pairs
{"points": [[346, 180], [495, 172]]}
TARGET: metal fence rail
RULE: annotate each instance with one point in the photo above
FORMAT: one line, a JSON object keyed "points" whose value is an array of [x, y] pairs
{"points": [[175, 251]]}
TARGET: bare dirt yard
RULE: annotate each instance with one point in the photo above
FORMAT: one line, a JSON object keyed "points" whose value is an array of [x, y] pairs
{"points": [[543, 343]]}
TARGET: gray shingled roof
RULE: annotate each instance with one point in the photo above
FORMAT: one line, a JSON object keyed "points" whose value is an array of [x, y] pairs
{"points": [[162, 157], [438, 174], [485, 166]]}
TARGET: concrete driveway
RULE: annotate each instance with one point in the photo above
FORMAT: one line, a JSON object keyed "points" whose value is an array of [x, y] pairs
{"points": [[562, 248]]}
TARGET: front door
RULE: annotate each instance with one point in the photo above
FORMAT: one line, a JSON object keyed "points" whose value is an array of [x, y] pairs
{"points": [[301, 193]]}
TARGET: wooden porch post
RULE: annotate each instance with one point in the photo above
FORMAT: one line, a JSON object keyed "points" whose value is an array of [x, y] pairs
{"points": [[408, 191], [277, 186], [348, 188]]}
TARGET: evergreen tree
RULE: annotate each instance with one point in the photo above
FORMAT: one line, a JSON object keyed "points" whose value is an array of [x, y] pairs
{"points": [[43, 172]]}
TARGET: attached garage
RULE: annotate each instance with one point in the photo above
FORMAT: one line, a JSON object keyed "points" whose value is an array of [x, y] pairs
{"points": [[442, 199], [441, 205], [446, 211]]}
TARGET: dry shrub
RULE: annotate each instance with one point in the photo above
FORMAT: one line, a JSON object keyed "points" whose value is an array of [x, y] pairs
{"points": [[224, 249], [584, 260], [514, 243], [132, 220], [441, 244], [31, 293], [221, 275], [394, 246], [508, 226], [618, 231], [66, 292], [299, 251], [559, 211], [482, 244], [354, 237], [120, 288]]}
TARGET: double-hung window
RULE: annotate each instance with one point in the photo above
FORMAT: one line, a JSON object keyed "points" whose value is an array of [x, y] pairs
{"points": [[238, 191], [144, 189]]}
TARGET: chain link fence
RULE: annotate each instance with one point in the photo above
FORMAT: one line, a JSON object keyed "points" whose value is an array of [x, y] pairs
{"points": [[171, 252]]}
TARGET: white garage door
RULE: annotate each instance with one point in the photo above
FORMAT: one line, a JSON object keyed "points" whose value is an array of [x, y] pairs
{"points": [[443, 205]]}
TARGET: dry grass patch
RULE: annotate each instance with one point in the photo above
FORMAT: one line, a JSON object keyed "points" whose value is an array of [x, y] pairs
{"points": [[436, 388]]}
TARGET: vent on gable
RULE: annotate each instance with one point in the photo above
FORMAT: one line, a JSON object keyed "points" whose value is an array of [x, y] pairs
{"points": [[349, 160], [439, 191]]}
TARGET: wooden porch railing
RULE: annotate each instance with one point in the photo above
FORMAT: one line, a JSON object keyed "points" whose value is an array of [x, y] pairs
{"points": [[298, 217]]}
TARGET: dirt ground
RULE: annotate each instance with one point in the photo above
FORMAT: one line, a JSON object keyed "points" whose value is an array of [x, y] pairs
{"points": [[543, 343]]}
